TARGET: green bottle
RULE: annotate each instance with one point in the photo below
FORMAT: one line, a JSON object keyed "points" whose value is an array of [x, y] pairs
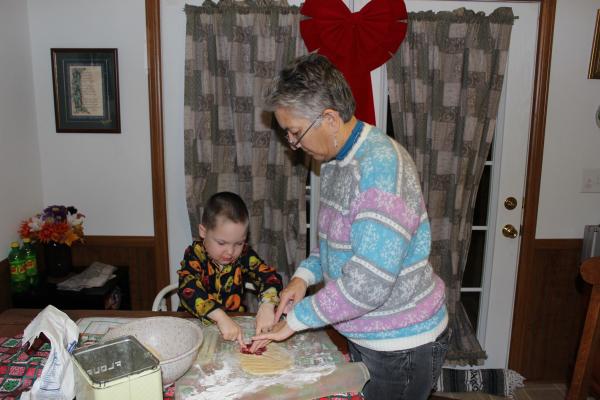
{"points": [[31, 270], [18, 278]]}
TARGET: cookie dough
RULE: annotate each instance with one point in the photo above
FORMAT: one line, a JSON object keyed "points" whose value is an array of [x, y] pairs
{"points": [[273, 361]]}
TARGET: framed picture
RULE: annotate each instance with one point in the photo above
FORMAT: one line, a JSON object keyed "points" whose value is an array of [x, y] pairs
{"points": [[594, 72], [86, 90]]}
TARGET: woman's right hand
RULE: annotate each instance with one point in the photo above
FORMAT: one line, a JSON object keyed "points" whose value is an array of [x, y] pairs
{"points": [[290, 296]]}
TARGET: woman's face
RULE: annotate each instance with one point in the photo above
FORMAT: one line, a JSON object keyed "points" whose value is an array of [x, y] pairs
{"points": [[315, 136], [225, 242]]}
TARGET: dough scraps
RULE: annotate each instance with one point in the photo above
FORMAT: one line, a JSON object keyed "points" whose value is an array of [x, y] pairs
{"points": [[273, 361]]}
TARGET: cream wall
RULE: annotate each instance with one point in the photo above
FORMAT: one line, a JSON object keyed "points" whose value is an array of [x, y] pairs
{"points": [[20, 173], [173, 53], [572, 140], [106, 176]]}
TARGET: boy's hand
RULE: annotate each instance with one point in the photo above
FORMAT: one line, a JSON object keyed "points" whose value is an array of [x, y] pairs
{"points": [[265, 318], [290, 296], [229, 329]]}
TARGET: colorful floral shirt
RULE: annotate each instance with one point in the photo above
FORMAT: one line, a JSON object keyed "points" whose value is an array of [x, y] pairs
{"points": [[205, 286]]}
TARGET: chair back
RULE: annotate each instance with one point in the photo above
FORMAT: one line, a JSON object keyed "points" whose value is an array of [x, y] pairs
{"points": [[160, 302]]}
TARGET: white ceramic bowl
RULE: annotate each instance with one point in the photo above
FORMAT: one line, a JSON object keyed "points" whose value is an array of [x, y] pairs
{"points": [[174, 341]]}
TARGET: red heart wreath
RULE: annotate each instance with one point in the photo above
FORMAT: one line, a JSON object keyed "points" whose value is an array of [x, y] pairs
{"points": [[356, 43]]}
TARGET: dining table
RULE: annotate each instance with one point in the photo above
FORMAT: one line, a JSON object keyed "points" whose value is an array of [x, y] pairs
{"points": [[13, 322]]}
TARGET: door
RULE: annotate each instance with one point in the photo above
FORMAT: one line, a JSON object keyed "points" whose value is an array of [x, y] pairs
{"points": [[508, 178], [508, 167], [490, 277]]}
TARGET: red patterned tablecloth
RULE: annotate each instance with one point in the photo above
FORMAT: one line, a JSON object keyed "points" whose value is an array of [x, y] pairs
{"points": [[20, 368]]}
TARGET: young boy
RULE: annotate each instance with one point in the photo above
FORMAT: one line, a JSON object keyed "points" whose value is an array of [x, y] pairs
{"points": [[215, 268]]}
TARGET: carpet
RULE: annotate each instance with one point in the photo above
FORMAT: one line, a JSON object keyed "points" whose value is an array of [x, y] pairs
{"points": [[499, 382]]}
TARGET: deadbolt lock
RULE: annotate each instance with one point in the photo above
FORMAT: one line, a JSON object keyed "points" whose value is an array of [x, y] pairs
{"points": [[510, 203]]}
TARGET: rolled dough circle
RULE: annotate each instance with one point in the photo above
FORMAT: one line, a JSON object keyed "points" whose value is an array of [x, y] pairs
{"points": [[273, 361]]}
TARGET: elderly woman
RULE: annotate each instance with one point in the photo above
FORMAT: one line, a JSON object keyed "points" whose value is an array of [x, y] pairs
{"points": [[380, 291]]}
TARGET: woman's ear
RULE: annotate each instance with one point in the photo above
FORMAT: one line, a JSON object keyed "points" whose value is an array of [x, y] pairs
{"points": [[333, 123], [202, 231], [332, 118]]}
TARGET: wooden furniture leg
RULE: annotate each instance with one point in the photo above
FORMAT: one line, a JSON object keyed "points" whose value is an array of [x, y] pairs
{"points": [[580, 382]]}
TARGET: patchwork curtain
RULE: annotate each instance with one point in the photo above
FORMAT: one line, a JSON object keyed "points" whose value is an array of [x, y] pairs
{"points": [[233, 50], [444, 90]]}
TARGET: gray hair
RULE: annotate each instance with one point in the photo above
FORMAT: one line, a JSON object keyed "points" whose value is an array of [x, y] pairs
{"points": [[309, 85]]}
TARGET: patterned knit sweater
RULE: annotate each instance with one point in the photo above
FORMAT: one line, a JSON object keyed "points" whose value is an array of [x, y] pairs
{"points": [[374, 240]]}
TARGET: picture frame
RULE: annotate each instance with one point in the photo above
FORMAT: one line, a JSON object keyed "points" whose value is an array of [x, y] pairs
{"points": [[594, 72], [86, 90]]}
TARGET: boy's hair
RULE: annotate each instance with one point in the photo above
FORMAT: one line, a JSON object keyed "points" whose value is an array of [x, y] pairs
{"points": [[309, 85], [226, 205]]}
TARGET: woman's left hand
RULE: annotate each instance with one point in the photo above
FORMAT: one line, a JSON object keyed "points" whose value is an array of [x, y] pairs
{"points": [[279, 332]]}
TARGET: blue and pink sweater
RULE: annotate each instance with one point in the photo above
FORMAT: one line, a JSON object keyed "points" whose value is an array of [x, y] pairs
{"points": [[374, 240]]}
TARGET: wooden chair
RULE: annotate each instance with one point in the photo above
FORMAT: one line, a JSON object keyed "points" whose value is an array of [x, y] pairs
{"points": [[588, 345]]}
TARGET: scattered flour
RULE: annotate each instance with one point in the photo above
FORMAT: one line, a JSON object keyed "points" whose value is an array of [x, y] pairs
{"points": [[228, 383]]}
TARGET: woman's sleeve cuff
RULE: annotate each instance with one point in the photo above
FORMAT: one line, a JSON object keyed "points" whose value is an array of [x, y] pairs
{"points": [[294, 323], [306, 275]]}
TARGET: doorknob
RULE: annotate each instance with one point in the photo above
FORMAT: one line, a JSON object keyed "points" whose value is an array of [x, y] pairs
{"points": [[510, 231]]}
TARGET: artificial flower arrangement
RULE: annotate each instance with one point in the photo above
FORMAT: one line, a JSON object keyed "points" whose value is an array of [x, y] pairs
{"points": [[58, 224]]}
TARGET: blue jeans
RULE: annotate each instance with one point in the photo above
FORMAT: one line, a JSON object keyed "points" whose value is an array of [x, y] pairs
{"points": [[404, 374]]}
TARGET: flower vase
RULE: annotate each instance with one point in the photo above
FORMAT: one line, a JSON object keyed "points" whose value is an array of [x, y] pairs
{"points": [[57, 257]]}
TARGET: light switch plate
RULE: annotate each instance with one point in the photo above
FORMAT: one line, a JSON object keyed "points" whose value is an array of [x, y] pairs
{"points": [[591, 181]]}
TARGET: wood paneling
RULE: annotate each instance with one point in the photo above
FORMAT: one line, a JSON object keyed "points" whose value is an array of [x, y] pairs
{"points": [[135, 252], [557, 299]]}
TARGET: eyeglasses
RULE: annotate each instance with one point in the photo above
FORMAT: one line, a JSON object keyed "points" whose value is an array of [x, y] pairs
{"points": [[294, 145]]}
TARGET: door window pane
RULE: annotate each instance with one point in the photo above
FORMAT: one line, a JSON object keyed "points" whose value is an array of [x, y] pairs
{"points": [[490, 156], [470, 301], [474, 267], [483, 198]]}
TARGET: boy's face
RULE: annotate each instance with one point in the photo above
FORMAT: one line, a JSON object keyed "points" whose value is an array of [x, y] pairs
{"points": [[225, 242]]}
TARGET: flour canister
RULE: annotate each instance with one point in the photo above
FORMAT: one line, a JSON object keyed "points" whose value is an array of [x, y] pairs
{"points": [[117, 369]]}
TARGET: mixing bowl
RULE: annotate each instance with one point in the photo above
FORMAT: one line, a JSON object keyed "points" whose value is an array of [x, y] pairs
{"points": [[174, 341]]}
